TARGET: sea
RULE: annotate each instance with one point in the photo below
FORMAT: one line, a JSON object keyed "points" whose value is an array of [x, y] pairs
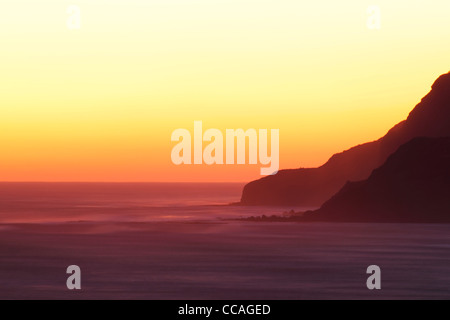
{"points": [[185, 241]]}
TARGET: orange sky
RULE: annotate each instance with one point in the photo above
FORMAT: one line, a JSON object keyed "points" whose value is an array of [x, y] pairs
{"points": [[100, 103]]}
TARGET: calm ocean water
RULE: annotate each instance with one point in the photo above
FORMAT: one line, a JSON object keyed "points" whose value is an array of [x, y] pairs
{"points": [[169, 241], [126, 202]]}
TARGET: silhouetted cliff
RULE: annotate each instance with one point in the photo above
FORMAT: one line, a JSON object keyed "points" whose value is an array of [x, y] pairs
{"points": [[412, 186], [312, 187]]}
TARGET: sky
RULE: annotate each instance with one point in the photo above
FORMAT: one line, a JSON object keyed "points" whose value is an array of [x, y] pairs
{"points": [[99, 102]]}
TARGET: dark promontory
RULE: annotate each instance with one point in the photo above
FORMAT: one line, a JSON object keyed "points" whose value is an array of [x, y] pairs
{"points": [[312, 187], [412, 186]]}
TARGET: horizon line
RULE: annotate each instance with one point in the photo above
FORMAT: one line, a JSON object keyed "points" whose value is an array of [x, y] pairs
{"points": [[117, 182]]}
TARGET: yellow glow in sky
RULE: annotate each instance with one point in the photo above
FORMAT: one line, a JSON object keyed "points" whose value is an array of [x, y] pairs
{"points": [[99, 103]]}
